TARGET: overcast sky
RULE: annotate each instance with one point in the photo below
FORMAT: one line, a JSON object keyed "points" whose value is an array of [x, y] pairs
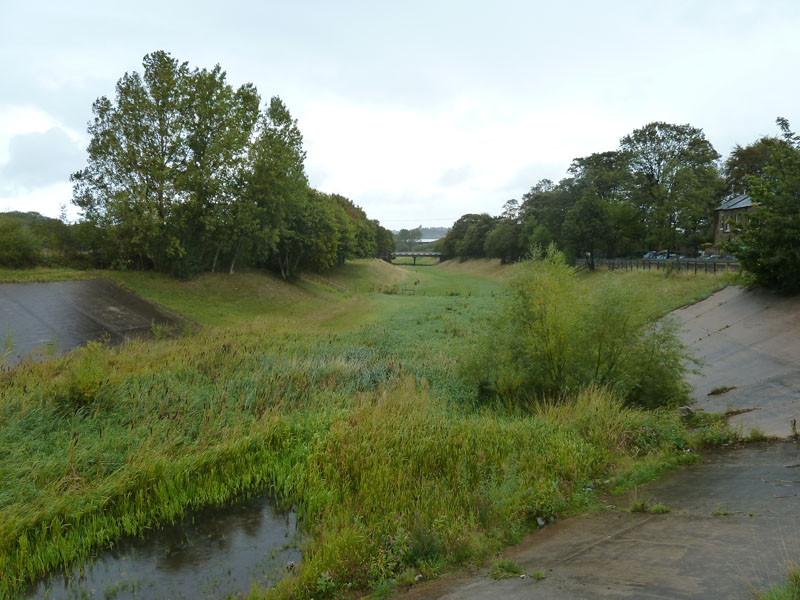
{"points": [[417, 111]]}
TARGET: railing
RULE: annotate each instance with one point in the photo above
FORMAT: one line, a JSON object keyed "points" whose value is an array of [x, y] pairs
{"points": [[696, 265]]}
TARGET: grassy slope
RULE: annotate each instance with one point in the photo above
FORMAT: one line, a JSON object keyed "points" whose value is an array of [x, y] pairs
{"points": [[342, 400]]}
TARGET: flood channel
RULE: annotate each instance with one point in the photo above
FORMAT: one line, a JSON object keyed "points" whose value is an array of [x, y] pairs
{"points": [[56, 316], [214, 553]]}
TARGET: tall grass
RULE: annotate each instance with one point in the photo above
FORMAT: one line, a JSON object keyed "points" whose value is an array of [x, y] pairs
{"points": [[353, 409]]}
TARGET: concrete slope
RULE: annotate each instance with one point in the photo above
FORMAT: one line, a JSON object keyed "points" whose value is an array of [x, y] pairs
{"points": [[733, 526], [749, 341]]}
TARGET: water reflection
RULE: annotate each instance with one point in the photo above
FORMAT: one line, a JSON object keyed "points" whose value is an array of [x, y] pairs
{"points": [[211, 554]]}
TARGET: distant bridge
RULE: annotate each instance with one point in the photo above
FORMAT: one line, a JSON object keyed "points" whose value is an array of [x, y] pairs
{"points": [[415, 255]]}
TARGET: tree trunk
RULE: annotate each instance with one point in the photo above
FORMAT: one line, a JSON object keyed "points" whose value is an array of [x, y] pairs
{"points": [[214, 264]]}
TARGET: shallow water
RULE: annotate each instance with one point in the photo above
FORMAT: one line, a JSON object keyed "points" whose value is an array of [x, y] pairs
{"points": [[212, 554], [56, 316]]}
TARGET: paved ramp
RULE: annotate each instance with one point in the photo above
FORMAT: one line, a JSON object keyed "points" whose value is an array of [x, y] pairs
{"points": [[734, 526], [750, 341], [65, 314]]}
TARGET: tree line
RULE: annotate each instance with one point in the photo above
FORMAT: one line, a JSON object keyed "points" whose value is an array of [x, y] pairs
{"points": [[186, 174], [656, 191]]}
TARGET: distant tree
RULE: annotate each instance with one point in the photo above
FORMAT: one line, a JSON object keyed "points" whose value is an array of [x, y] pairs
{"points": [[749, 161], [587, 227], [544, 209], [676, 184], [472, 245], [19, 247], [769, 247], [454, 240], [504, 242]]}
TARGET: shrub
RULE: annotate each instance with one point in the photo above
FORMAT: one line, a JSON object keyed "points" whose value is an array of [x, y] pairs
{"points": [[19, 247], [554, 336]]}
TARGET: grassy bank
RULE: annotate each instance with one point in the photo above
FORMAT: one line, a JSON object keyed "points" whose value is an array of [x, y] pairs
{"points": [[338, 398]]}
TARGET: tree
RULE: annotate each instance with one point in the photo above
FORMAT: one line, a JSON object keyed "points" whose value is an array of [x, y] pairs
{"points": [[219, 124], [277, 189], [586, 227], [676, 184], [769, 247], [747, 162], [504, 241], [472, 246]]}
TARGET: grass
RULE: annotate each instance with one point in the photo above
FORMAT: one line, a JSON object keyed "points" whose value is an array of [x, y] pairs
{"points": [[788, 590], [329, 395], [505, 568], [721, 390]]}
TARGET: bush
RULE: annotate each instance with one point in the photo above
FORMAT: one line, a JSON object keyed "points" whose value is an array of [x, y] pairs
{"points": [[554, 336], [19, 247]]}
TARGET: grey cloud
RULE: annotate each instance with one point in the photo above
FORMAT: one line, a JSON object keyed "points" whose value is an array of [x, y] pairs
{"points": [[37, 160], [452, 177]]}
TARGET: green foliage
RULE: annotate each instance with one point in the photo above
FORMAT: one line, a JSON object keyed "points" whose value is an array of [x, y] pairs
{"points": [[768, 247], [504, 568], [555, 336], [185, 175], [789, 590], [19, 247]]}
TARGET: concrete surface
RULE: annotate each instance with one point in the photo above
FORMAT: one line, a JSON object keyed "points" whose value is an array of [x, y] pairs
{"points": [[749, 340], [66, 314], [734, 526]]}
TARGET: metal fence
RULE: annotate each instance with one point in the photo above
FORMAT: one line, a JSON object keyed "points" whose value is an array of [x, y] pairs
{"points": [[691, 265]]}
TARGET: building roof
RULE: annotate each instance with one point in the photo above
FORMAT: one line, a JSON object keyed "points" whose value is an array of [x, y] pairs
{"points": [[740, 201]]}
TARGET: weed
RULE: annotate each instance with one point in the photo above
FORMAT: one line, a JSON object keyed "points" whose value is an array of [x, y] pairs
{"points": [[788, 590], [721, 512], [504, 568], [721, 390], [659, 509], [538, 575]]}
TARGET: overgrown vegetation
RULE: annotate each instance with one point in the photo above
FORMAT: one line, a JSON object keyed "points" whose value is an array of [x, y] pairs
{"points": [[348, 403], [554, 336]]}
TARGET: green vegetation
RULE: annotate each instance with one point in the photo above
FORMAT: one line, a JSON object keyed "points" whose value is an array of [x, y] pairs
{"points": [[642, 506], [346, 402], [504, 568], [721, 390], [789, 590], [767, 247], [555, 335], [658, 190]]}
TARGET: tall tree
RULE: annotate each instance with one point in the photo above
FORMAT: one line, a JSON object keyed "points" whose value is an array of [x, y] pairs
{"points": [[138, 146], [277, 188], [219, 123], [675, 178]]}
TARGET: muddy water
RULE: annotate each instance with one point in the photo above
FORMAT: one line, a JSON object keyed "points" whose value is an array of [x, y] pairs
{"points": [[56, 316], [213, 554]]}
